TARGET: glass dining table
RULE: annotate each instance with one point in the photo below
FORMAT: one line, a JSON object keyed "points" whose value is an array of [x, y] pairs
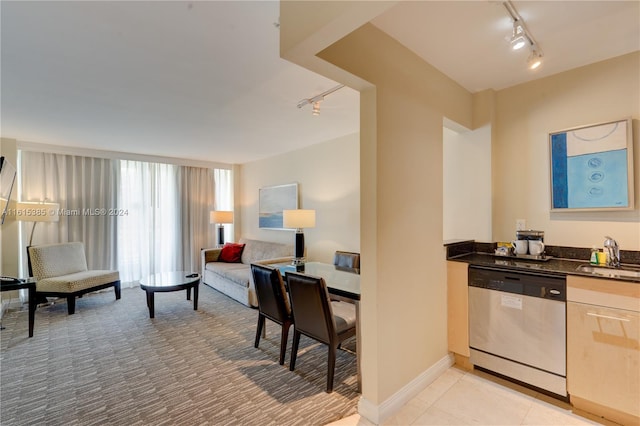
{"points": [[342, 283]]}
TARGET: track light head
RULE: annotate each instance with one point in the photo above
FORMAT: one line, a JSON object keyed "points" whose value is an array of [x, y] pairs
{"points": [[518, 38], [521, 37], [315, 101], [535, 58]]}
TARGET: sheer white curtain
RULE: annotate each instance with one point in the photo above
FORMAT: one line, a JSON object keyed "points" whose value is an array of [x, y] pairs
{"points": [[85, 188], [166, 218], [156, 216], [149, 228]]}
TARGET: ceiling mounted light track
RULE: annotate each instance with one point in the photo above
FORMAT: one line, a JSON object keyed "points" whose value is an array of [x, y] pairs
{"points": [[315, 101], [522, 37]]}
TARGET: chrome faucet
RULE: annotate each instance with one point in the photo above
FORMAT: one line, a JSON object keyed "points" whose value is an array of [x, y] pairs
{"points": [[613, 252]]}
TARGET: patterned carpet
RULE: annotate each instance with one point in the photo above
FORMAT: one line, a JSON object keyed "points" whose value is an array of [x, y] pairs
{"points": [[110, 364]]}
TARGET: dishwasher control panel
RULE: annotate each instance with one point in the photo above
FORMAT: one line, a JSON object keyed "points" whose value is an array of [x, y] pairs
{"points": [[542, 286]]}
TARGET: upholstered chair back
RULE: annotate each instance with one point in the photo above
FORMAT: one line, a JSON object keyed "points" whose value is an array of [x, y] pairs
{"points": [[54, 260], [347, 259], [311, 307], [273, 300]]}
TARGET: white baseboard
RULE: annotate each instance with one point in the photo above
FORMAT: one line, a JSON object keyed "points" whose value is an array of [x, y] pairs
{"points": [[378, 413]]}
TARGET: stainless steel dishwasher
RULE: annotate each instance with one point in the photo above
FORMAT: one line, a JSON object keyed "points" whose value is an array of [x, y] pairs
{"points": [[517, 326]]}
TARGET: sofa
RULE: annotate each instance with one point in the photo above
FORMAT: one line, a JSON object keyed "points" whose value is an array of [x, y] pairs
{"points": [[234, 279]]}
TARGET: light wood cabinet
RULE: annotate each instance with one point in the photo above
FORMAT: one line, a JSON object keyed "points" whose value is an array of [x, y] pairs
{"points": [[458, 307], [603, 347]]}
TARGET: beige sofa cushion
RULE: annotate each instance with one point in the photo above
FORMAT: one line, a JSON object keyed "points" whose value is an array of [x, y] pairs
{"points": [[236, 272], [239, 276], [256, 250]]}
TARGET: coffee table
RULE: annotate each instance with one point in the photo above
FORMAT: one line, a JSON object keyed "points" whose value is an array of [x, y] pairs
{"points": [[170, 281]]}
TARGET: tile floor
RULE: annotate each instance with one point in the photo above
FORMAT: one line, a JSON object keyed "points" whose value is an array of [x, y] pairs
{"points": [[460, 397]]}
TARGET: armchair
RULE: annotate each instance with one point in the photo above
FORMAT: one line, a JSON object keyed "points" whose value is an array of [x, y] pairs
{"points": [[61, 270]]}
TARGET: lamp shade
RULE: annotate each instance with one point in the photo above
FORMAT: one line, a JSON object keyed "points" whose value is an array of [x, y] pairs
{"points": [[299, 218], [37, 212], [220, 216]]}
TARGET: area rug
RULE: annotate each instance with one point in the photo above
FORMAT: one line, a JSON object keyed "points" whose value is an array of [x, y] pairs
{"points": [[110, 364]]}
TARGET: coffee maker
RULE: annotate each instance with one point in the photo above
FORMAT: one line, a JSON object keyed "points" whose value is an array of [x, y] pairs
{"points": [[530, 234], [533, 244]]}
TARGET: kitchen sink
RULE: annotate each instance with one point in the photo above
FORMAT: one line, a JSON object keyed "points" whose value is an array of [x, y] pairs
{"points": [[604, 271]]}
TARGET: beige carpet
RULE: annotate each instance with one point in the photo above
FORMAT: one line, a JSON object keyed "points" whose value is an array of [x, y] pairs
{"points": [[111, 364]]}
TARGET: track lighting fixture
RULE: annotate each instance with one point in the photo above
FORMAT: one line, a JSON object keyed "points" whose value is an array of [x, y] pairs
{"points": [[518, 39], [535, 58], [522, 37], [315, 101]]}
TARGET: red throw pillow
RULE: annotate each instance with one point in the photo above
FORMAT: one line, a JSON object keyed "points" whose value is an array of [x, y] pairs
{"points": [[231, 253]]}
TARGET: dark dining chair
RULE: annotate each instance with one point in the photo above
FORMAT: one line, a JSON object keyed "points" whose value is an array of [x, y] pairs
{"points": [[317, 317], [346, 259], [273, 303]]}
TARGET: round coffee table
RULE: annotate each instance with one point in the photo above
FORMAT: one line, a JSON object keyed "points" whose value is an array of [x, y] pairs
{"points": [[170, 281]]}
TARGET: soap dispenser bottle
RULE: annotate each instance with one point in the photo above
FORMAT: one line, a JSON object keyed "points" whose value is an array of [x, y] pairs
{"points": [[594, 256]]}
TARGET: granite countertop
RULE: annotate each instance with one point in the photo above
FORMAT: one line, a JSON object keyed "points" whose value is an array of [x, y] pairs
{"points": [[552, 266]]}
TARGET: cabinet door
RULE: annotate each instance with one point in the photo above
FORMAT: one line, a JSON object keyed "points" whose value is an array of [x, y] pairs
{"points": [[603, 356], [458, 307]]}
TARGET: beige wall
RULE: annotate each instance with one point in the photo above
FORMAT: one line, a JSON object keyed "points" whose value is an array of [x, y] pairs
{"points": [[525, 115], [467, 184], [403, 102], [328, 175], [403, 271]]}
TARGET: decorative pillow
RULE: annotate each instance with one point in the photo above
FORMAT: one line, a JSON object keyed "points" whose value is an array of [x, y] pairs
{"points": [[231, 253]]}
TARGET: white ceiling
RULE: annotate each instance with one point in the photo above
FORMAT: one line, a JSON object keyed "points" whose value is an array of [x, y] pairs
{"points": [[469, 40], [196, 80], [203, 80]]}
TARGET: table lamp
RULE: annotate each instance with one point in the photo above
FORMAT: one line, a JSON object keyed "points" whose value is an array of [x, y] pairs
{"points": [[221, 217], [299, 219]]}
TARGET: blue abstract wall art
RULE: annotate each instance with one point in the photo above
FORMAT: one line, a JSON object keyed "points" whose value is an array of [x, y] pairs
{"points": [[591, 167], [273, 200]]}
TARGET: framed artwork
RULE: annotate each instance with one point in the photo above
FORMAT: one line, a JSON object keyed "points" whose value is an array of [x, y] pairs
{"points": [[592, 167], [273, 200]]}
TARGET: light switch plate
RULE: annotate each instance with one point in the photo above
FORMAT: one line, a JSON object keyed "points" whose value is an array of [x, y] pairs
{"points": [[521, 224]]}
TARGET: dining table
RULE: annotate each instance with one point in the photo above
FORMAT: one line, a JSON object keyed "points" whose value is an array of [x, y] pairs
{"points": [[342, 283]]}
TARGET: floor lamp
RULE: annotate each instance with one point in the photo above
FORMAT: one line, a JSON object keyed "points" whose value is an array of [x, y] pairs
{"points": [[221, 217], [36, 212], [299, 219]]}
